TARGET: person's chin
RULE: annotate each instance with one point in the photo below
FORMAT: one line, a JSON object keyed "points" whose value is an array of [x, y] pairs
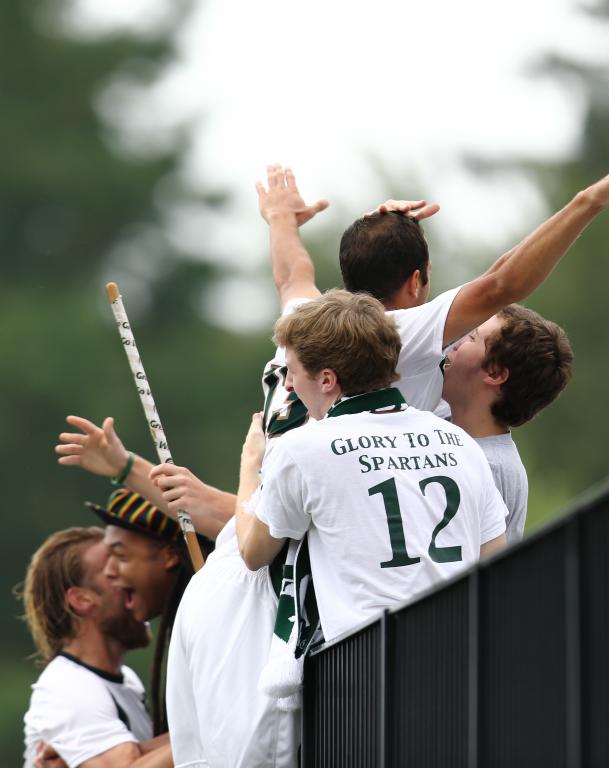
{"points": [[128, 630], [140, 611], [140, 635]]}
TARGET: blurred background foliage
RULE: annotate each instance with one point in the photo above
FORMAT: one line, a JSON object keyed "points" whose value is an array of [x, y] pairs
{"points": [[75, 212]]}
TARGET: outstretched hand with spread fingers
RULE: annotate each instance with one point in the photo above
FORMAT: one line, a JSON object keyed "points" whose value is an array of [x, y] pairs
{"points": [[96, 449], [283, 198]]}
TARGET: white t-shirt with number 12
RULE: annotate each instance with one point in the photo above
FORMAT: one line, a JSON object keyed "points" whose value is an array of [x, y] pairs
{"points": [[393, 502]]}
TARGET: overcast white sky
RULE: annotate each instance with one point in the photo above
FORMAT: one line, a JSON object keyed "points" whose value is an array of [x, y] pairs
{"points": [[325, 86]]}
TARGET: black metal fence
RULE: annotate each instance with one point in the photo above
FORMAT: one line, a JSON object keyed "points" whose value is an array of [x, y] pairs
{"points": [[508, 666]]}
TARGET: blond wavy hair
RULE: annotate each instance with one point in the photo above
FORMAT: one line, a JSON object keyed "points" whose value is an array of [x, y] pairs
{"points": [[55, 567]]}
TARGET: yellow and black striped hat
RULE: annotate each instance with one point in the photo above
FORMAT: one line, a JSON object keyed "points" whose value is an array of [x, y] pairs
{"points": [[135, 513]]}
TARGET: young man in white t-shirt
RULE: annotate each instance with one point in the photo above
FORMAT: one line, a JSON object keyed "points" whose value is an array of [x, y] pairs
{"points": [[385, 254], [500, 376], [394, 500], [86, 705]]}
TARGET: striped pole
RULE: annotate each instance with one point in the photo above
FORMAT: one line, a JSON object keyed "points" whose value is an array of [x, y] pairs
{"points": [[152, 416]]}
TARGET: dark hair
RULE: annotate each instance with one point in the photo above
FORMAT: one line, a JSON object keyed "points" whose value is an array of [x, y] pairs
{"points": [[184, 571], [539, 359], [351, 334], [379, 253]]}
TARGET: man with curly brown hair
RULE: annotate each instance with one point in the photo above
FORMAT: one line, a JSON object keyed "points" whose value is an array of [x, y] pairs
{"points": [[500, 376]]}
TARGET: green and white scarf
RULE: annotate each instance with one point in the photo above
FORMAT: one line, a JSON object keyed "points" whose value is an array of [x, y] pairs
{"points": [[297, 626]]}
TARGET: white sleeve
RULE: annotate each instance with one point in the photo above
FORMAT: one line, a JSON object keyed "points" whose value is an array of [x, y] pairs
{"points": [[281, 504], [184, 682], [421, 331], [77, 716], [494, 512]]}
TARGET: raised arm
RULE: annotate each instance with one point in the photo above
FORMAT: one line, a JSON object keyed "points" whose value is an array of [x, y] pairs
{"points": [[209, 507], [284, 210], [517, 273], [256, 544], [99, 450]]}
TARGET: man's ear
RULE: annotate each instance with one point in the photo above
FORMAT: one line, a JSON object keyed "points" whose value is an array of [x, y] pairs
{"points": [[412, 286], [79, 599], [328, 380], [408, 294], [495, 377], [170, 557]]}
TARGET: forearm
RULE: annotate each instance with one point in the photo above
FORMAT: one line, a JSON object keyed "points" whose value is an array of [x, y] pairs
{"points": [[494, 545], [501, 261], [527, 265], [222, 505], [154, 743], [248, 483], [208, 516], [133, 755], [291, 264], [139, 481], [157, 758], [256, 545], [220, 509], [517, 273]]}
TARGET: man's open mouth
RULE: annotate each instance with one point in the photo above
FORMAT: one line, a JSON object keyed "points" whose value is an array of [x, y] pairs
{"points": [[129, 594]]}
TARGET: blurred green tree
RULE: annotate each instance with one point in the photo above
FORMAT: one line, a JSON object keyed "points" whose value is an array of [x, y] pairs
{"points": [[73, 213], [564, 447]]}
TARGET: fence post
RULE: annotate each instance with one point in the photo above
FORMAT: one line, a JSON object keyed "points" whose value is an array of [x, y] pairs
{"points": [[473, 665], [385, 692], [573, 650]]}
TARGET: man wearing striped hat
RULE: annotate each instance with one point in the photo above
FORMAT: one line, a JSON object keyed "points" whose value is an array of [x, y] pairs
{"points": [[149, 563], [144, 551], [146, 561]]}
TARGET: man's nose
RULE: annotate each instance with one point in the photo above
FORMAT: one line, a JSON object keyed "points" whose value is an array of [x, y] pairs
{"points": [[111, 571]]}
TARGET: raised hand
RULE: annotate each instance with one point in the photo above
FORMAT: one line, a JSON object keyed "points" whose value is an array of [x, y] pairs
{"points": [[414, 209], [97, 449], [254, 445], [283, 198]]}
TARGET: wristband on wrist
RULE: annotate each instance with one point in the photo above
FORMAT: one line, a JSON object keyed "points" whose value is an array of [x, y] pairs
{"points": [[120, 479]]}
